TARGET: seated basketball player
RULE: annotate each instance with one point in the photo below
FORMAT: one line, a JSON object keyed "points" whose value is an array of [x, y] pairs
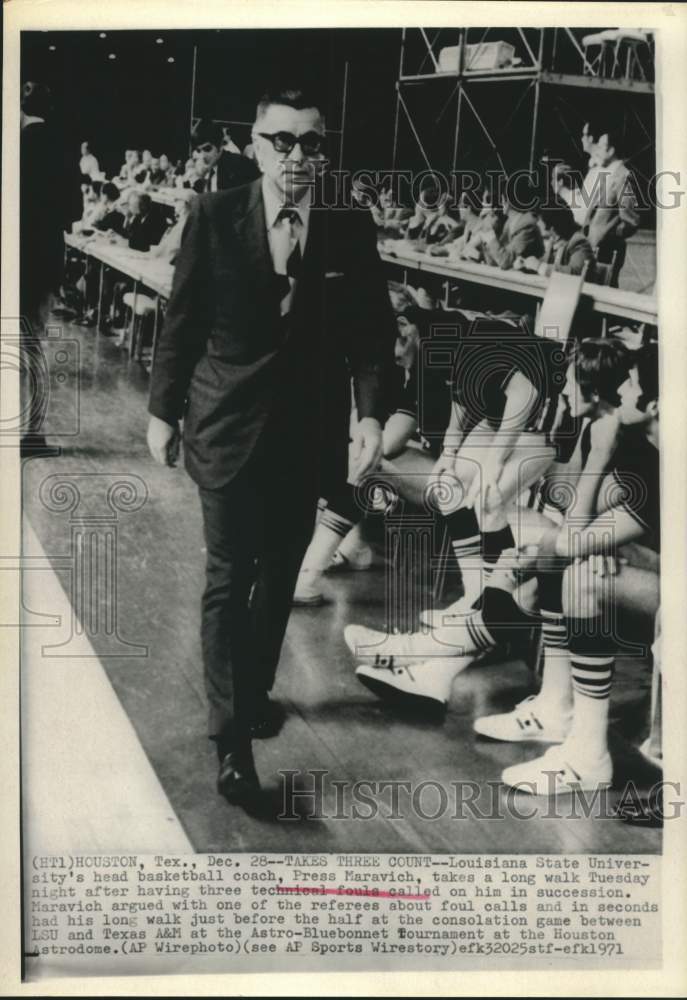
{"points": [[411, 412], [613, 562], [424, 665]]}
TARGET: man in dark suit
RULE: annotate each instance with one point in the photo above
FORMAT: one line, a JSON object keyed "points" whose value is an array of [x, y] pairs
{"points": [[220, 169], [41, 251], [275, 303]]}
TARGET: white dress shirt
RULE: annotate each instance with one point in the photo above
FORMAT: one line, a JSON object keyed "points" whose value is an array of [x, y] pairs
{"points": [[280, 233], [88, 165]]}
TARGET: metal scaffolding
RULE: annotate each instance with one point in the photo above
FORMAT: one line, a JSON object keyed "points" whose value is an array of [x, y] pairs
{"points": [[533, 60]]}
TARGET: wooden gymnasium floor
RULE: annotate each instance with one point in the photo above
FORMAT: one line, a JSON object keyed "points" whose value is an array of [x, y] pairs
{"points": [[333, 723]]}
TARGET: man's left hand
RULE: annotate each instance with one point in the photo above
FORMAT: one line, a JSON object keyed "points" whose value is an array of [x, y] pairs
{"points": [[367, 447]]}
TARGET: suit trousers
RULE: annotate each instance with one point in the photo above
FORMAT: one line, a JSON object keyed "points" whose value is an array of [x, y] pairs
{"points": [[257, 529]]}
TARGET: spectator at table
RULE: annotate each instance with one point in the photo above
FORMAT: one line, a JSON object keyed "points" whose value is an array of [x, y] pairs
{"points": [[143, 225], [111, 220], [431, 221], [566, 247], [88, 164], [156, 175], [144, 169], [168, 247], [391, 219], [189, 176], [520, 237], [167, 169], [92, 207], [471, 223], [220, 170], [127, 173]]}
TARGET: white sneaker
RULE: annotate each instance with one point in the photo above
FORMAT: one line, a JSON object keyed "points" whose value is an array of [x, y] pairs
{"points": [[560, 772], [454, 614], [527, 722], [307, 593], [395, 649], [358, 563], [427, 683]]}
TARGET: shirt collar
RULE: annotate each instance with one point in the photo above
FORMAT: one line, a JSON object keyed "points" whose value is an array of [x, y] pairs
{"points": [[30, 119], [273, 204]]}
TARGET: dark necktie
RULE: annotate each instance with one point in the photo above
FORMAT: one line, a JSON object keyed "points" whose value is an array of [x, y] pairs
{"points": [[295, 258]]}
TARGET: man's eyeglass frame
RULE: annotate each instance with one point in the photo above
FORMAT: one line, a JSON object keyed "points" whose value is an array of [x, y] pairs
{"points": [[312, 143]]}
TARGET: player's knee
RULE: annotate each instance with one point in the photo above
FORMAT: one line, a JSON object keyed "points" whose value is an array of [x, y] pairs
{"points": [[582, 592], [547, 560]]}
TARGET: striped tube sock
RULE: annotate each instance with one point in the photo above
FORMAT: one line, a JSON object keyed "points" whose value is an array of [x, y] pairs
{"points": [[335, 522], [592, 661], [463, 529], [498, 620], [493, 544], [592, 656]]}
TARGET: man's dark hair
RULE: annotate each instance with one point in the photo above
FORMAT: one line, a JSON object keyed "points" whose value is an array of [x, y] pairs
{"points": [[36, 99], [97, 187], [601, 366], [85, 179], [594, 127], [616, 139], [295, 97], [144, 202], [645, 361], [556, 215], [207, 131], [111, 191]]}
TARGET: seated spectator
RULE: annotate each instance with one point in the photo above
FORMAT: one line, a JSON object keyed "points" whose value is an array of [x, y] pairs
{"points": [[143, 225], [219, 170], [188, 176], [92, 207], [390, 219], [127, 174], [566, 247], [168, 247], [472, 222], [520, 236], [88, 164], [111, 220], [143, 171], [430, 222], [156, 175], [166, 169]]}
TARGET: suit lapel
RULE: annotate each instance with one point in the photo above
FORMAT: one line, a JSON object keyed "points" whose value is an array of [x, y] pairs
{"points": [[251, 230]]}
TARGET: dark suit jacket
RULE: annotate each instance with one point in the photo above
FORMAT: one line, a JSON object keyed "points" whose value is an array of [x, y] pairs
{"points": [[113, 220], [41, 197], [232, 171], [228, 363], [145, 230]]}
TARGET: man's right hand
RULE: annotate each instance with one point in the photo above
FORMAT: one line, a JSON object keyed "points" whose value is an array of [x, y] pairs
{"points": [[163, 441]]}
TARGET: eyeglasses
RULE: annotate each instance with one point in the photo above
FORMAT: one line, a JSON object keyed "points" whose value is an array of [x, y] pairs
{"points": [[312, 143]]}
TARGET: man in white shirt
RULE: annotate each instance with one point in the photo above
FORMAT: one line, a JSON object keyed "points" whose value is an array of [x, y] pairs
{"points": [[88, 164], [581, 200]]}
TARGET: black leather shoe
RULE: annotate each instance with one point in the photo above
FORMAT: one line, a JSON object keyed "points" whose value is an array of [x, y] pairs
{"points": [[267, 720], [237, 780]]}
